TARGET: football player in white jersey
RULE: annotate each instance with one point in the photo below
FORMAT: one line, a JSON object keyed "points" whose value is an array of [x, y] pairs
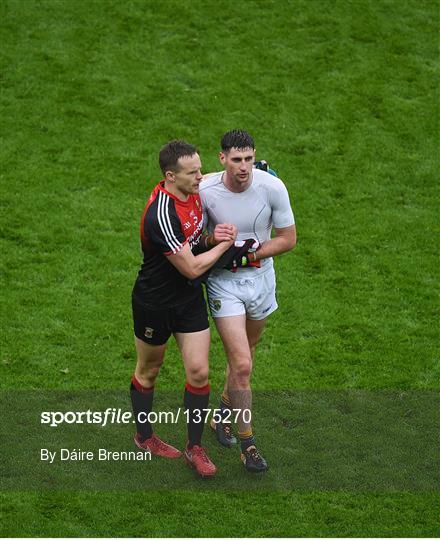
{"points": [[243, 296]]}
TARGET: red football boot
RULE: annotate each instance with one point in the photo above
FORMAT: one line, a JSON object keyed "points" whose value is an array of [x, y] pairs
{"points": [[157, 447], [197, 459]]}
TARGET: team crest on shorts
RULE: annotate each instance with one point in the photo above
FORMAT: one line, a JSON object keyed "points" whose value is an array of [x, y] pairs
{"points": [[148, 332], [216, 304]]}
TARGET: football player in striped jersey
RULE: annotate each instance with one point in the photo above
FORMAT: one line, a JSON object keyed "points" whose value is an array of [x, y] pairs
{"points": [[167, 299]]}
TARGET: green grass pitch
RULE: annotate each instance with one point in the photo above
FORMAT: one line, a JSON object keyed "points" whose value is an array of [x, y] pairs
{"points": [[342, 98]]}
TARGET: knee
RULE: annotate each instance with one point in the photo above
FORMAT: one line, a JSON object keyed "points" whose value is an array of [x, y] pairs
{"points": [[147, 374], [241, 368], [198, 375]]}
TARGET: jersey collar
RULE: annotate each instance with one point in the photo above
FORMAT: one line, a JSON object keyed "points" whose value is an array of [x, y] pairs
{"points": [[162, 188]]}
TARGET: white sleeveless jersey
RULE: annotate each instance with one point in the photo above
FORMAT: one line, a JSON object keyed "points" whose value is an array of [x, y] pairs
{"points": [[264, 204]]}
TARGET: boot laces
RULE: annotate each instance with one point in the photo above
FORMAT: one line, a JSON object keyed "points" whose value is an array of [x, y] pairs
{"points": [[158, 443], [227, 429], [254, 454], [201, 453]]}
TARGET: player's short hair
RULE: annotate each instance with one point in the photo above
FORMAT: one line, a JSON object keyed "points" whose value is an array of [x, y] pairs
{"points": [[170, 154], [237, 138]]}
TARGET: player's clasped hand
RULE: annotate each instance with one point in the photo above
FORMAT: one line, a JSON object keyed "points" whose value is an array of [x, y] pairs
{"points": [[225, 232]]}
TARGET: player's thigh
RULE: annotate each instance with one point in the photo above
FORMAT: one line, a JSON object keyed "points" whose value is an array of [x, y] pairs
{"points": [[191, 330], [232, 331], [194, 348], [148, 356], [254, 329]]}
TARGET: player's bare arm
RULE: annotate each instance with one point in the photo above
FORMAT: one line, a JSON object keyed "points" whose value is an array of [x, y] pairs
{"points": [[283, 241], [193, 266]]}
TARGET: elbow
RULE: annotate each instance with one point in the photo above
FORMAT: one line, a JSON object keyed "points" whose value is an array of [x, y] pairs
{"points": [[191, 273], [194, 272]]}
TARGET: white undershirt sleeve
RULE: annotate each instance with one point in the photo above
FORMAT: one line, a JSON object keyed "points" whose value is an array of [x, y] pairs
{"points": [[282, 214]]}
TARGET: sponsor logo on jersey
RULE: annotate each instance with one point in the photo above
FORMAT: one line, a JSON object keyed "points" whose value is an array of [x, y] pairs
{"points": [[194, 239]]}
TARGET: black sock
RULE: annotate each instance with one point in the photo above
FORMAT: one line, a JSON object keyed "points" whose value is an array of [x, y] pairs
{"points": [[195, 400], [142, 402]]}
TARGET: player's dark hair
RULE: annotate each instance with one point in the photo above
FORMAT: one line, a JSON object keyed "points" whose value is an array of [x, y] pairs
{"points": [[237, 138], [170, 154]]}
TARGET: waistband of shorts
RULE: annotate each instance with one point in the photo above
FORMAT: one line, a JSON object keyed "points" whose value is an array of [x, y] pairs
{"points": [[243, 273], [163, 307]]}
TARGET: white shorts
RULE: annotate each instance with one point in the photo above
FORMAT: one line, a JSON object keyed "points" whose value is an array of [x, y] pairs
{"points": [[255, 297]]}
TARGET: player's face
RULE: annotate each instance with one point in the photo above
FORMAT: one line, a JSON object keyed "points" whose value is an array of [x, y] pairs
{"points": [[187, 179], [238, 166]]}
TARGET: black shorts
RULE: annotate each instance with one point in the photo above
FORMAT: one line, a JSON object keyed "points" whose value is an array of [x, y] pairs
{"points": [[155, 326]]}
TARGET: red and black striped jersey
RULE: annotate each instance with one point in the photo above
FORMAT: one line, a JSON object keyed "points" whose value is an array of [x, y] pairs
{"points": [[167, 224]]}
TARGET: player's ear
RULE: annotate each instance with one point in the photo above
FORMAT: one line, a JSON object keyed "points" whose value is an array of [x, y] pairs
{"points": [[222, 157], [169, 176]]}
